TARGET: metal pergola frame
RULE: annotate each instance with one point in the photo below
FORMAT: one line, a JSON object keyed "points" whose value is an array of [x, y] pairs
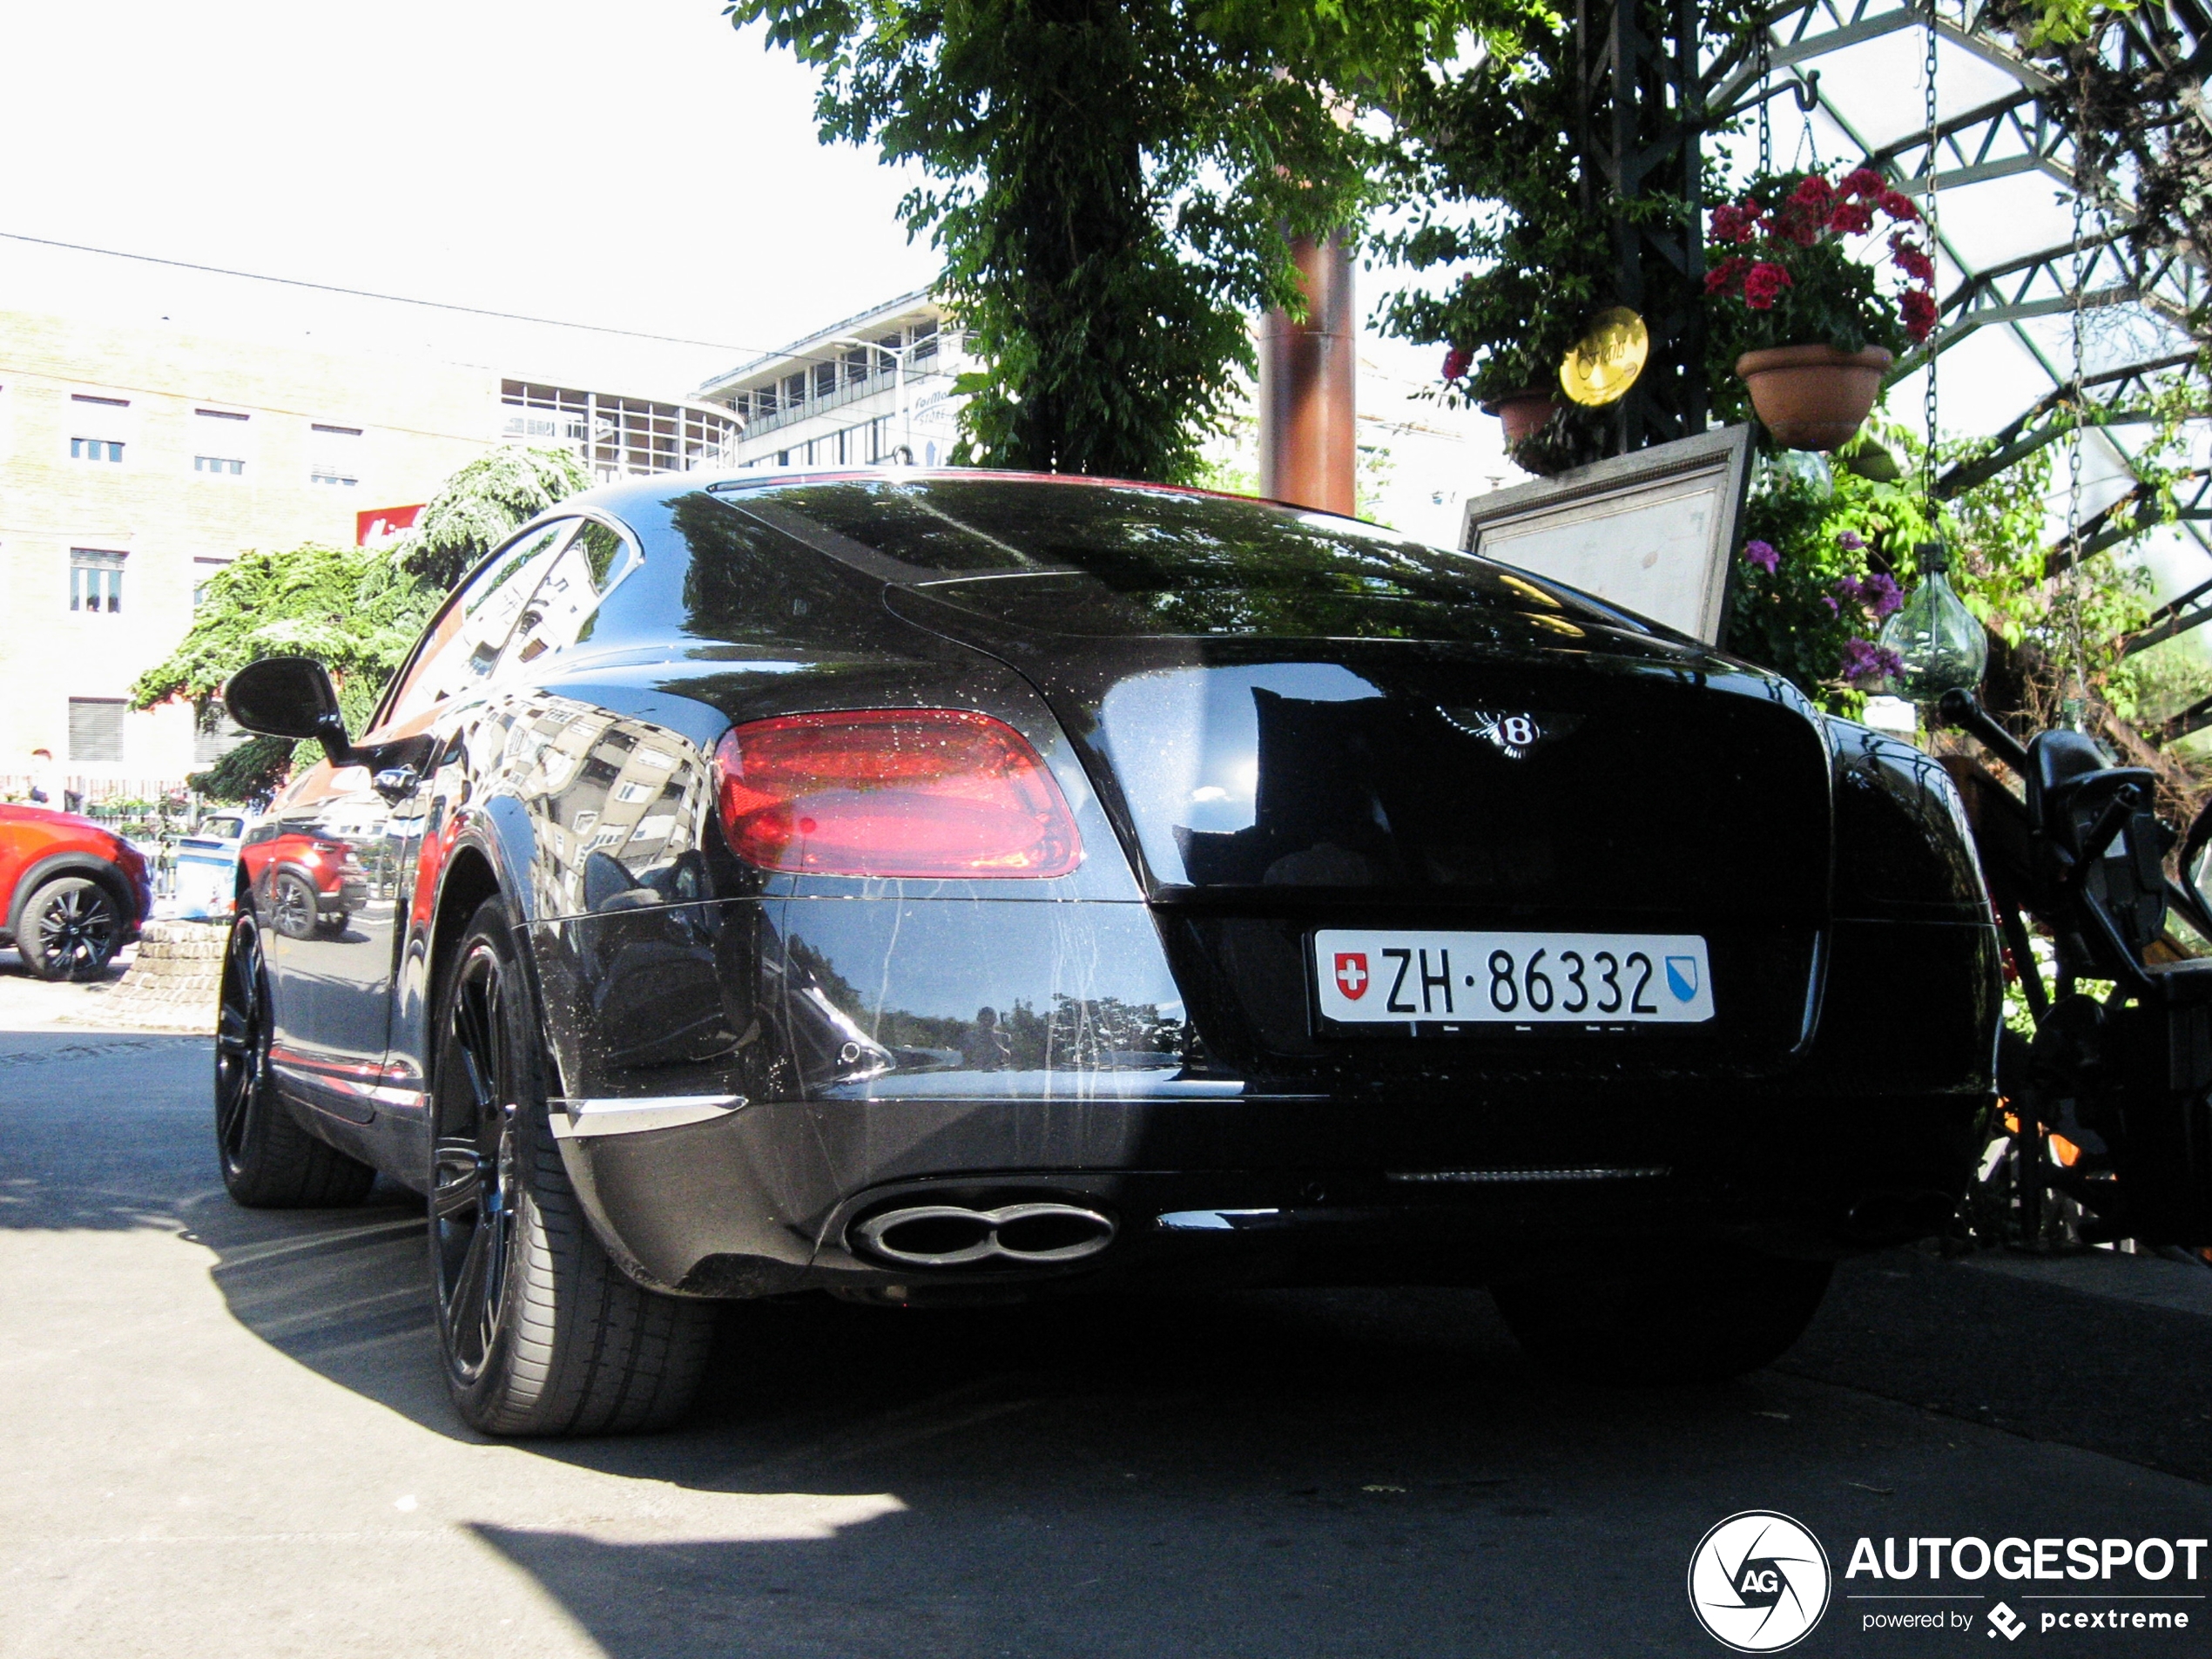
{"points": [[2018, 133]]}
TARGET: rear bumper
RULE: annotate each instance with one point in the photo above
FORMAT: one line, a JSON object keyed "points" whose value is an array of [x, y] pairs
{"points": [[762, 1198], [742, 1081]]}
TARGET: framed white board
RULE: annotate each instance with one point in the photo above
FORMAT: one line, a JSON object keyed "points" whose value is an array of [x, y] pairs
{"points": [[1652, 532]]}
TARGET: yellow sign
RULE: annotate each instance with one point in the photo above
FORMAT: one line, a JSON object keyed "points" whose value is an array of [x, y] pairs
{"points": [[1604, 363]]}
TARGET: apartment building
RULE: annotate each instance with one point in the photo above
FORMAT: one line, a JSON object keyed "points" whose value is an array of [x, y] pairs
{"points": [[872, 389], [135, 462]]}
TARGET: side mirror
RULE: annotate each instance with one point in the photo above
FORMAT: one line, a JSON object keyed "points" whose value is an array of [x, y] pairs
{"points": [[289, 696]]}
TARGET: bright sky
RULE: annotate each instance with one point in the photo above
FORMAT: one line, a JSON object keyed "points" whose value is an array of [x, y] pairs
{"points": [[639, 163]]}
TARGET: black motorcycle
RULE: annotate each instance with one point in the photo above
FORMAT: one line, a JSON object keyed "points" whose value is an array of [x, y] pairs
{"points": [[2120, 1067]]}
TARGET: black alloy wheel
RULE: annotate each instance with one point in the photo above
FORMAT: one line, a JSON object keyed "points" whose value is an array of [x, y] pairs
{"points": [[473, 1184], [241, 1042], [269, 1161], [292, 904], [542, 1333], [71, 929]]}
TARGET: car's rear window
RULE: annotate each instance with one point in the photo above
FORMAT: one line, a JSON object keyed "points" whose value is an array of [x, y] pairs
{"points": [[1142, 543]]}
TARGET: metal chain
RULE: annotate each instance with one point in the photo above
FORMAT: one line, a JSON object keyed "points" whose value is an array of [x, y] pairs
{"points": [[1766, 90], [1928, 178], [2077, 600]]}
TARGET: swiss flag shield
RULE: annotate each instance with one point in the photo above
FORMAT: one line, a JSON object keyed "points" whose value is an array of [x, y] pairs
{"points": [[1352, 974]]}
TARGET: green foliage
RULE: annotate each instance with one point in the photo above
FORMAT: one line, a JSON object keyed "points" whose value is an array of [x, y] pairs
{"points": [[1111, 181], [1840, 555], [475, 509], [1495, 181]]}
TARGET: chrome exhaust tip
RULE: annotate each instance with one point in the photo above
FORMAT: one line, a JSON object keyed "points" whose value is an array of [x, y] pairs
{"points": [[946, 1235]]}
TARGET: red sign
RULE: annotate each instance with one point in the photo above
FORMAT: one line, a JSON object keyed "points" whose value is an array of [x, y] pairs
{"points": [[1352, 974], [383, 523]]}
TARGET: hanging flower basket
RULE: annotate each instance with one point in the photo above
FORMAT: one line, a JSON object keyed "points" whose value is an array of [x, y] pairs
{"points": [[1813, 397], [1799, 299], [1524, 411]]}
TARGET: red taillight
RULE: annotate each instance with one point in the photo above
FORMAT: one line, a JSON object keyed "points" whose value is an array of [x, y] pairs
{"points": [[929, 793]]}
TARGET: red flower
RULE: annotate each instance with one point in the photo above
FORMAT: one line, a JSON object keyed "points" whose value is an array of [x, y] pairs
{"points": [[1912, 259], [1852, 218], [1920, 308], [1864, 181], [1899, 206], [1726, 275], [1456, 361], [1813, 191], [1763, 286], [1735, 222]]}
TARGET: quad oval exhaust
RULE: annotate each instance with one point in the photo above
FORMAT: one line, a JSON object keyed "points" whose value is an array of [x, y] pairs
{"points": [[951, 1235]]}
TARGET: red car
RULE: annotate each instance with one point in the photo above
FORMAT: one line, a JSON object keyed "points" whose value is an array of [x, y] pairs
{"points": [[74, 893], [307, 882]]}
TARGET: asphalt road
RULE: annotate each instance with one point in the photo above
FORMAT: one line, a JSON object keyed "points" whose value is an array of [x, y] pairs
{"points": [[223, 1432]]}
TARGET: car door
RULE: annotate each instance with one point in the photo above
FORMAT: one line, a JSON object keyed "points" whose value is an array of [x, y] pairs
{"points": [[332, 869]]}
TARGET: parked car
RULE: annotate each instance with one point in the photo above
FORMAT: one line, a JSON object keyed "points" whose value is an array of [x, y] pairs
{"points": [[304, 881], [945, 887], [74, 893]]}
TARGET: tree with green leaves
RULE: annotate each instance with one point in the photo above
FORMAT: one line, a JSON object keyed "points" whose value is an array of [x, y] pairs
{"points": [[1111, 183], [355, 609]]}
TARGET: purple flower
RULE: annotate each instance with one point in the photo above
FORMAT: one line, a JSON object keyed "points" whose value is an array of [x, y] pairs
{"points": [[1828, 599], [1850, 543], [1848, 586], [1864, 660], [1762, 555], [1882, 593]]}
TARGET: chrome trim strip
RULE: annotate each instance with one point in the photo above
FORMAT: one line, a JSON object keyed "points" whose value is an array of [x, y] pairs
{"points": [[1208, 1221], [1493, 1176], [579, 1119]]}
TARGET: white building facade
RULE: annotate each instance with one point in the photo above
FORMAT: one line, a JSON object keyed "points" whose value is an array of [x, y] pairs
{"points": [[875, 389]]}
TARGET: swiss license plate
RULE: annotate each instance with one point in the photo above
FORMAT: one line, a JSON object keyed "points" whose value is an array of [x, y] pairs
{"points": [[1386, 976]]}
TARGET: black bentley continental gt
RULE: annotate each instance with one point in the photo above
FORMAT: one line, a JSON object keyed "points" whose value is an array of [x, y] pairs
{"points": [[931, 887]]}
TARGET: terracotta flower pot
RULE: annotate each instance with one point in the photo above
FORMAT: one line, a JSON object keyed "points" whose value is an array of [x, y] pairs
{"points": [[1812, 397], [1523, 411]]}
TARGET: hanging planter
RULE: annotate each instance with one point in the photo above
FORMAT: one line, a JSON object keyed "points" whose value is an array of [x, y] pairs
{"points": [[1524, 412], [1813, 397], [1794, 303]]}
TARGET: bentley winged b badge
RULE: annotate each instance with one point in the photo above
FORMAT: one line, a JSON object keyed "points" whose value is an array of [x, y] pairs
{"points": [[1516, 736]]}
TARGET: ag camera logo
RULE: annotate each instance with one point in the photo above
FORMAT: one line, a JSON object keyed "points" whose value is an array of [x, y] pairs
{"points": [[1758, 1581]]}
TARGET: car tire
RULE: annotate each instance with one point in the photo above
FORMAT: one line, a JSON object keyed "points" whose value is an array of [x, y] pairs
{"points": [[295, 907], [542, 1334], [269, 1161], [70, 928], [1699, 1317]]}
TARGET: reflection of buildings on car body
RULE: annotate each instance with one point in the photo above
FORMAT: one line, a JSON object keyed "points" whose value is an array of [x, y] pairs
{"points": [[836, 399], [136, 463]]}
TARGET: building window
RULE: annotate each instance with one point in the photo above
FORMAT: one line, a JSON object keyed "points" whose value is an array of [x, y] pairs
{"points": [[218, 463], [218, 414], [202, 576], [336, 458], [95, 580], [95, 450], [795, 390], [96, 728], [825, 380]]}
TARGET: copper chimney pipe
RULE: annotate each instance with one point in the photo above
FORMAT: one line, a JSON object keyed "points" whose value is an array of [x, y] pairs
{"points": [[1308, 386]]}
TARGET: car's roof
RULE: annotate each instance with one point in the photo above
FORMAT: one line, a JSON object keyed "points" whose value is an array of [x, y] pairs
{"points": [[617, 497]]}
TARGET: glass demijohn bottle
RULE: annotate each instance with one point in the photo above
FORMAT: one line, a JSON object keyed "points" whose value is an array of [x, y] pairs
{"points": [[1938, 642]]}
